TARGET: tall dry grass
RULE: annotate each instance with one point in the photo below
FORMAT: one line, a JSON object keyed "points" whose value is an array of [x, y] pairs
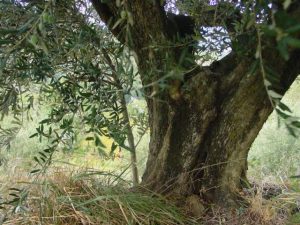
{"points": [[79, 198]]}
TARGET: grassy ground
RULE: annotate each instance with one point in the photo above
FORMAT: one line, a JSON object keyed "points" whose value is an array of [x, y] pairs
{"points": [[73, 195], [66, 196], [275, 154], [81, 198]]}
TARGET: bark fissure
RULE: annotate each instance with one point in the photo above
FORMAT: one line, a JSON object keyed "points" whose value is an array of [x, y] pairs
{"points": [[244, 109]]}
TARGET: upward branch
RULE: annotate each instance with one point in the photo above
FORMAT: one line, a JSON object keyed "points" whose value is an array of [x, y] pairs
{"points": [[140, 18], [109, 14]]}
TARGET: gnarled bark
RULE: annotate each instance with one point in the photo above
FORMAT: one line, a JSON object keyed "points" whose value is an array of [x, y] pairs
{"points": [[206, 136]]}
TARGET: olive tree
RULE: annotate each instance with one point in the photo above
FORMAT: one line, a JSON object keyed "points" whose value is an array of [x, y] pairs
{"points": [[211, 72], [204, 117]]}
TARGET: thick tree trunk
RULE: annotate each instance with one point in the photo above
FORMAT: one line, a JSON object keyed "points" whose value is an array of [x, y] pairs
{"points": [[202, 128], [206, 135], [199, 143]]}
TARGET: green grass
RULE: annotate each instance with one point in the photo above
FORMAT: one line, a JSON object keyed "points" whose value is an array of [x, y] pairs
{"points": [[275, 154]]}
